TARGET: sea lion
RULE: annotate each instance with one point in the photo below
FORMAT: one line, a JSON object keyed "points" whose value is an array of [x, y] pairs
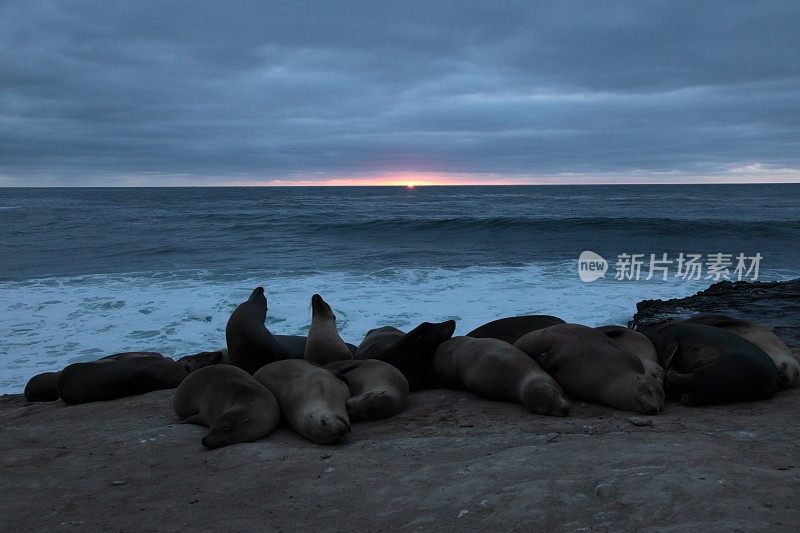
{"points": [[709, 365], [324, 345], [764, 338], [639, 345], [294, 346], [591, 367], [203, 359], [230, 402], [510, 329], [116, 378], [496, 370], [250, 344], [42, 387], [312, 399], [411, 352], [377, 389]]}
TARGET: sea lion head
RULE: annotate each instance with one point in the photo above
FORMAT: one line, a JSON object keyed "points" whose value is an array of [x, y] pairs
{"points": [[257, 297], [199, 360], [649, 394], [438, 332], [234, 425], [326, 427], [543, 398], [321, 309]]}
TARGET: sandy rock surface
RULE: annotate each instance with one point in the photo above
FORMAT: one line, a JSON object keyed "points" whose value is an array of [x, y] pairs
{"points": [[449, 461]]}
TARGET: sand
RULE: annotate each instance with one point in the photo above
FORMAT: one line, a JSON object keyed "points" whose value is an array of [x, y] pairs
{"points": [[449, 461]]}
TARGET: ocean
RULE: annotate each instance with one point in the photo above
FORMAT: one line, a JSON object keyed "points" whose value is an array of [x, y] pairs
{"points": [[88, 272]]}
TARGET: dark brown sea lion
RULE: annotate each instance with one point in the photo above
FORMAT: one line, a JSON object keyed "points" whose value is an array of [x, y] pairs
{"points": [[44, 387], [510, 329], [591, 367], [788, 367], [411, 352], [250, 344], [708, 365], [116, 378]]}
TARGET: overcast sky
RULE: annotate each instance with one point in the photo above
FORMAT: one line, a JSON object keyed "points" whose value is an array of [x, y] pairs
{"points": [[246, 92]]}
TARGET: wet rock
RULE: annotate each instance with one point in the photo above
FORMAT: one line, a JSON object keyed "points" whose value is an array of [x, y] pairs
{"points": [[773, 304]]}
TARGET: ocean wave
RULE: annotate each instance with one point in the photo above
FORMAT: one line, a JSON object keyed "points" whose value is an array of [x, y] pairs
{"points": [[563, 225]]}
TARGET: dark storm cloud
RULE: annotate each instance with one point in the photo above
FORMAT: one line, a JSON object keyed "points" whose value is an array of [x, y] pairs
{"points": [[297, 89]]}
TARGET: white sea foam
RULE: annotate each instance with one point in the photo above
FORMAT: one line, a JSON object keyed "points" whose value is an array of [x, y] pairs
{"points": [[47, 324]]}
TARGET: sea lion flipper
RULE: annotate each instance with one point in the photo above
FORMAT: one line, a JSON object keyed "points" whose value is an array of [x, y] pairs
{"points": [[339, 375], [669, 353], [347, 368], [193, 419]]}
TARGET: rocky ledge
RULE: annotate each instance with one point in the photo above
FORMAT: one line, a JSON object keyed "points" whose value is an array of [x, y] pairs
{"points": [[774, 304]]}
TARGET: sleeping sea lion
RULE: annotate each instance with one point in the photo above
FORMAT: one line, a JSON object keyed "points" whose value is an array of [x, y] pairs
{"points": [[496, 370], [591, 367], [639, 345], [230, 402], [764, 338], [312, 399], [116, 378], [708, 365], [510, 329], [377, 389]]}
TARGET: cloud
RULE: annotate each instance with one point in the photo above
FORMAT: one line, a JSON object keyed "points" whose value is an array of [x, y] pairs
{"points": [[202, 92]]}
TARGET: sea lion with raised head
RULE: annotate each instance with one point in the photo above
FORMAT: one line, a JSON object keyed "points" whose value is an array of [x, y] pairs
{"points": [[411, 352], [496, 370], [591, 367], [312, 399], [708, 365], [639, 345], [116, 378], [760, 335], [230, 402], [250, 344], [377, 389], [324, 345], [510, 329]]}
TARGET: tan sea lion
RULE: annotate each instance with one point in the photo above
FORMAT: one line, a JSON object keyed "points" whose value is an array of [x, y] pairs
{"points": [[496, 370], [788, 367], [324, 345], [230, 402], [377, 389], [591, 367], [312, 399], [639, 345]]}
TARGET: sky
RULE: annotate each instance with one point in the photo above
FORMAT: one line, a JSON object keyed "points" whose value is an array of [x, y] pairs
{"points": [[264, 93]]}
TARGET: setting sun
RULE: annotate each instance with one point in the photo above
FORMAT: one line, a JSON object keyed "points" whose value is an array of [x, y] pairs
{"points": [[410, 186]]}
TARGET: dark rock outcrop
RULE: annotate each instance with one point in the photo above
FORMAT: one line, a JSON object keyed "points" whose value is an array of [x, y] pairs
{"points": [[775, 304]]}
